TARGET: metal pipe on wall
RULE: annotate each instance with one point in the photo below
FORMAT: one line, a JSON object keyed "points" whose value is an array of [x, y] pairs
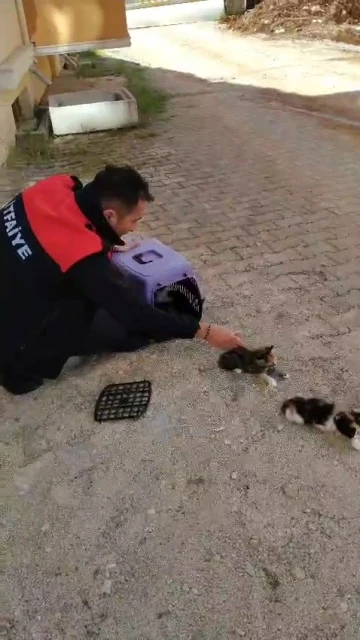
{"points": [[22, 21], [40, 76]]}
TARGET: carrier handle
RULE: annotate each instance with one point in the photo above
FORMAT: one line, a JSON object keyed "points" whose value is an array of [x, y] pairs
{"points": [[152, 255]]}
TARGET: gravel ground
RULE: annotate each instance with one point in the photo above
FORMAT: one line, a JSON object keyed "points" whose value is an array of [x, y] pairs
{"points": [[208, 518]]}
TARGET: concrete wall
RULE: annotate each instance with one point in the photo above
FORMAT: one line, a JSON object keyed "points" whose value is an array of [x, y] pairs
{"points": [[10, 33], [30, 89], [10, 38], [7, 132]]}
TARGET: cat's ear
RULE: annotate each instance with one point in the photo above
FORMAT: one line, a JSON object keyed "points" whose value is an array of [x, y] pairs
{"points": [[356, 416], [268, 350]]}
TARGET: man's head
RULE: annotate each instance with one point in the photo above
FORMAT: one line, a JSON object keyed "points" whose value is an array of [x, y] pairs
{"points": [[124, 196]]}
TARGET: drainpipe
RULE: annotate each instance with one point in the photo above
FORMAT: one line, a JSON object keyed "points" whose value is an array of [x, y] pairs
{"points": [[26, 40], [40, 75], [22, 21]]}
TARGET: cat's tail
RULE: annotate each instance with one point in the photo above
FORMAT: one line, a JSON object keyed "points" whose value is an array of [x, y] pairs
{"points": [[291, 403], [285, 405]]}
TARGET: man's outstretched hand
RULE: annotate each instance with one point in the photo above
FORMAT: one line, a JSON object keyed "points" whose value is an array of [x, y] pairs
{"points": [[219, 337]]}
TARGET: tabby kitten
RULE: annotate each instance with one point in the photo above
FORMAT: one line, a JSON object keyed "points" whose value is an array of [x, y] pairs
{"points": [[260, 362]]}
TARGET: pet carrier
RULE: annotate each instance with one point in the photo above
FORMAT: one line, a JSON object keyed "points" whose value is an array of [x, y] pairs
{"points": [[162, 276]]}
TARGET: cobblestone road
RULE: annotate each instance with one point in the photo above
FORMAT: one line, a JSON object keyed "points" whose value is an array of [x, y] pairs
{"points": [[253, 535]]}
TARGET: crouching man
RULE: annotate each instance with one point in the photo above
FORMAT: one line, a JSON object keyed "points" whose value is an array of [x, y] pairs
{"points": [[59, 295]]}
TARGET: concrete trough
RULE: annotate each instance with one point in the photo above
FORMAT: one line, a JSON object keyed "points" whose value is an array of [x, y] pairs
{"points": [[92, 110]]}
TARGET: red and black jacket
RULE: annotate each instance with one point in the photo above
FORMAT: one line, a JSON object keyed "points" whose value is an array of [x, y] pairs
{"points": [[51, 232]]}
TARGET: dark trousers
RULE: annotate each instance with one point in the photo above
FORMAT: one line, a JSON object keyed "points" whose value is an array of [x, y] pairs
{"points": [[74, 328]]}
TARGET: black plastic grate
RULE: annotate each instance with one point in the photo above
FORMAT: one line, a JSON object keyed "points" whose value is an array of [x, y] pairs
{"points": [[128, 400]]}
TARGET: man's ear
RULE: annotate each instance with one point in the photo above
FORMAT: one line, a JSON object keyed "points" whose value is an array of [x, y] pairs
{"points": [[109, 215]]}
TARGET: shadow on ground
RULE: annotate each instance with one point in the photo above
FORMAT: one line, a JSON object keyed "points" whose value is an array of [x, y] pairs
{"points": [[344, 105]]}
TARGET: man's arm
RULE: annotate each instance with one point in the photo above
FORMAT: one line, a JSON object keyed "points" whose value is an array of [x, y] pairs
{"points": [[96, 278]]}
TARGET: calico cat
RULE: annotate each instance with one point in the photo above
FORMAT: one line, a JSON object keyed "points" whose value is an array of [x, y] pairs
{"points": [[321, 414], [260, 362]]}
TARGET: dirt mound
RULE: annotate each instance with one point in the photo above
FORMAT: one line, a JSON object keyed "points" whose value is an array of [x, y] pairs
{"points": [[296, 16]]}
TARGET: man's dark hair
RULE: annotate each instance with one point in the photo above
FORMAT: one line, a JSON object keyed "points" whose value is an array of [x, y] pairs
{"points": [[121, 183]]}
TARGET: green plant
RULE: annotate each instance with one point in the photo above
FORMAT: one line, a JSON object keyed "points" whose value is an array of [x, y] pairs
{"points": [[151, 101]]}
